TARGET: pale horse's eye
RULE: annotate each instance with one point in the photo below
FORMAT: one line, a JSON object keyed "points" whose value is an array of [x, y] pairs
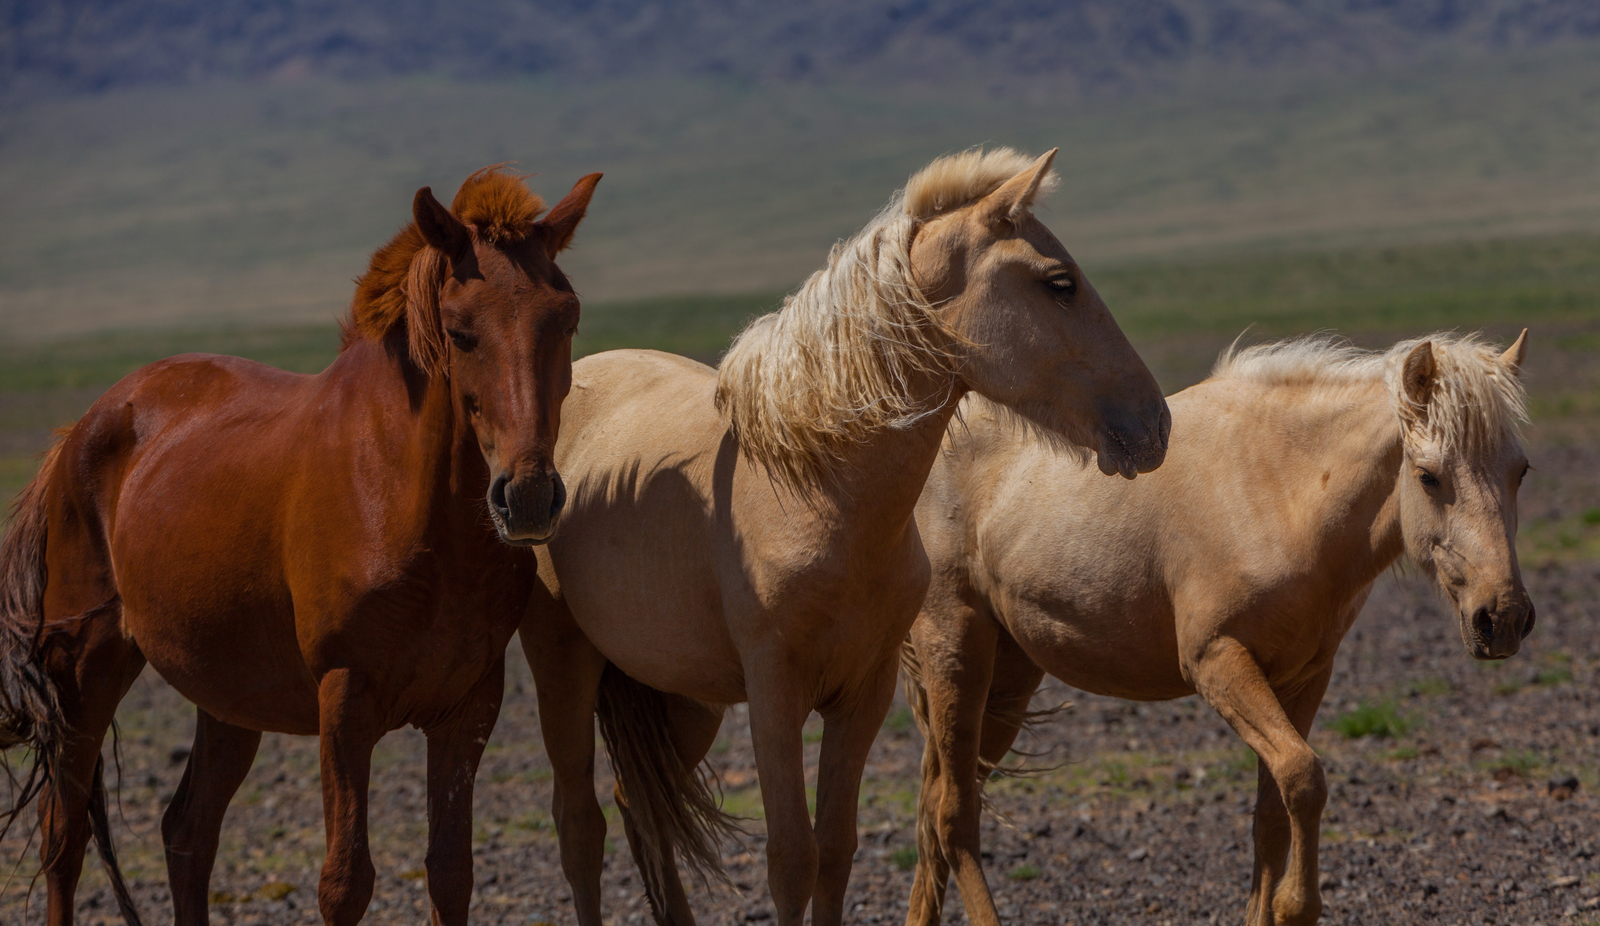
{"points": [[1428, 479]]}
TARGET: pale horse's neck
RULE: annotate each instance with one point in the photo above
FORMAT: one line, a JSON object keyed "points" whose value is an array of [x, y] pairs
{"points": [[1363, 507]]}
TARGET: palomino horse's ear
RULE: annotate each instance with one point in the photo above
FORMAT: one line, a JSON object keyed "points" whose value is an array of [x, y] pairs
{"points": [[1418, 373], [1514, 354], [564, 218], [1010, 203], [439, 228]]}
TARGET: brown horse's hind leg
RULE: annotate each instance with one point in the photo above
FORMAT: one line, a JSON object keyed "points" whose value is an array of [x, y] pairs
{"points": [[94, 666], [566, 671], [1284, 892], [694, 728], [453, 755], [349, 731], [192, 825]]}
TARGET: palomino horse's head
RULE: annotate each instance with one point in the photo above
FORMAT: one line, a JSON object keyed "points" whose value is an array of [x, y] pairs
{"points": [[505, 320], [1461, 468], [1032, 334]]}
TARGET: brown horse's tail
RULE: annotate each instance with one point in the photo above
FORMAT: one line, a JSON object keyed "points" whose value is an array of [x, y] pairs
{"points": [[669, 806], [30, 706]]}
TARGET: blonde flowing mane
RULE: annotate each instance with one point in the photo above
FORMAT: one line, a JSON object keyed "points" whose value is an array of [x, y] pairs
{"points": [[1476, 405], [836, 362]]}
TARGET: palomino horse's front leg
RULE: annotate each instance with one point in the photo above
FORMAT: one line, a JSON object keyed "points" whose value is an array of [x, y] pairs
{"points": [[847, 735], [1276, 850], [350, 729], [192, 825], [779, 706], [454, 751], [566, 672], [1230, 680]]}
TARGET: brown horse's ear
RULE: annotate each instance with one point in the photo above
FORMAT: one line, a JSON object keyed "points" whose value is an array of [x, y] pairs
{"points": [[1010, 203], [564, 218], [1515, 354], [1418, 373], [439, 228]]}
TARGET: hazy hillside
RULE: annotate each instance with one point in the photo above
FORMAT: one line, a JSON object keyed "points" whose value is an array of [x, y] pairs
{"points": [[80, 45]]}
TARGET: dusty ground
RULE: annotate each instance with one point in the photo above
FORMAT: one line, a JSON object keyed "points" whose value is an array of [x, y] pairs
{"points": [[1145, 818]]}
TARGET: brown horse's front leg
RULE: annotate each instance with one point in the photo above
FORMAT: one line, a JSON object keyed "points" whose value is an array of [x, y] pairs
{"points": [[453, 754], [192, 825], [847, 737], [349, 731], [566, 671], [1284, 892]]}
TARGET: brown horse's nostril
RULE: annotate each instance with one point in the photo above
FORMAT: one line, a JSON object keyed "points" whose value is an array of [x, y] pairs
{"points": [[1527, 627], [497, 497]]}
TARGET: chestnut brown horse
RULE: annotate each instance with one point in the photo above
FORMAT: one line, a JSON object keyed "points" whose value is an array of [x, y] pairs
{"points": [[746, 533], [1297, 474], [334, 555]]}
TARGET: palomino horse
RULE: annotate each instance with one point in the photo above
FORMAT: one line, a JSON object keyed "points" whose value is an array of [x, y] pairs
{"points": [[747, 534], [1297, 473], [306, 554]]}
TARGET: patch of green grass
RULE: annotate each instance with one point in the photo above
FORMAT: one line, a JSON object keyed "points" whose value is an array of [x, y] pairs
{"points": [[1114, 772], [1379, 719], [1434, 686], [1555, 675], [904, 858], [1239, 763], [1401, 753], [1521, 762], [1508, 686], [1592, 516], [900, 720], [1025, 872]]}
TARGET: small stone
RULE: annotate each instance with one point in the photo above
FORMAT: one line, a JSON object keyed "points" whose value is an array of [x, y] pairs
{"points": [[178, 755], [1329, 881], [1565, 881], [1562, 787], [1139, 854], [1495, 812]]}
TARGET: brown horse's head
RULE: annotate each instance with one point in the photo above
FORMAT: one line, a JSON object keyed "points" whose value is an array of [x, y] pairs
{"points": [[484, 305], [1037, 336], [1462, 465]]}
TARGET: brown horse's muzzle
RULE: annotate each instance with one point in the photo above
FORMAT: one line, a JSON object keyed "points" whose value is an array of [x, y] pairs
{"points": [[1496, 631], [526, 509], [1135, 444]]}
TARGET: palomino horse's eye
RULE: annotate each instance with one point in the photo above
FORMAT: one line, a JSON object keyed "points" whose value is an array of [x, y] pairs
{"points": [[1524, 474], [1429, 479], [1064, 285], [461, 340]]}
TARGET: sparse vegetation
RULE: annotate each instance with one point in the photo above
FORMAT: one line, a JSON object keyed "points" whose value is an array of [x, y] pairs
{"points": [[1379, 719], [904, 858], [1024, 872]]}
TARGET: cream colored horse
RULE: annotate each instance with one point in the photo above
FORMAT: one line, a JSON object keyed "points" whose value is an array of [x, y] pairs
{"points": [[1297, 473], [747, 533]]}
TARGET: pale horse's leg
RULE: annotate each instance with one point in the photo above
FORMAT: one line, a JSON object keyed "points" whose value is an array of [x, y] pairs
{"points": [[847, 735], [566, 672], [454, 751], [780, 702], [1285, 891], [192, 825]]}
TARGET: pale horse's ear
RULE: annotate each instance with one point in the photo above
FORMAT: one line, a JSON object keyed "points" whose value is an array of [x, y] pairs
{"points": [[1418, 373], [1515, 354], [1010, 203]]}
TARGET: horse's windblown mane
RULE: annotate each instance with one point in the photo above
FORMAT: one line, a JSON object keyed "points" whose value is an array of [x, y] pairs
{"points": [[835, 363], [404, 277], [1477, 402]]}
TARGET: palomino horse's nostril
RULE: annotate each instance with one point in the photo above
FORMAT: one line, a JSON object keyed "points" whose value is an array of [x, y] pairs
{"points": [[1483, 625], [1527, 627]]}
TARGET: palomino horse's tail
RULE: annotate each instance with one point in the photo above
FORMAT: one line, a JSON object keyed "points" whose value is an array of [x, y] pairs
{"points": [[669, 806], [30, 706]]}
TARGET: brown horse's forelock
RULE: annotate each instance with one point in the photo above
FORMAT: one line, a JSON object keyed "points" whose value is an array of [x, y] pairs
{"points": [[404, 277]]}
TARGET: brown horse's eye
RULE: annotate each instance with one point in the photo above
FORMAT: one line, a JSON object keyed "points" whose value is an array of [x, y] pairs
{"points": [[1064, 285], [462, 340], [1524, 474], [1428, 479]]}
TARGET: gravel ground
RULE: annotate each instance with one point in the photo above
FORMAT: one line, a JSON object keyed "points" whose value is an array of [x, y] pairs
{"points": [[1143, 815]]}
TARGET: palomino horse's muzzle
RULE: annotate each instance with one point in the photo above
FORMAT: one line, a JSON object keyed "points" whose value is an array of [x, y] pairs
{"points": [[525, 510], [1497, 632]]}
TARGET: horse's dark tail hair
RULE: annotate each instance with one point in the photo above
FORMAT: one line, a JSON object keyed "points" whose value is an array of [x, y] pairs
{"points": [[669, 806], [30, 705]]}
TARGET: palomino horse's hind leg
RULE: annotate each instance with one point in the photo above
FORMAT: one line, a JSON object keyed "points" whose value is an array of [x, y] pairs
{"points": [[453, 755], [847, 735], [349, 729], [1230, 680], [566, 671], [693, 727], [93, 666], [192, 824]]}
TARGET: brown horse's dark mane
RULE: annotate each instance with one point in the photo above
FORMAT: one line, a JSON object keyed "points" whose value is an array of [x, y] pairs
{"points": [[403, 279]]}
